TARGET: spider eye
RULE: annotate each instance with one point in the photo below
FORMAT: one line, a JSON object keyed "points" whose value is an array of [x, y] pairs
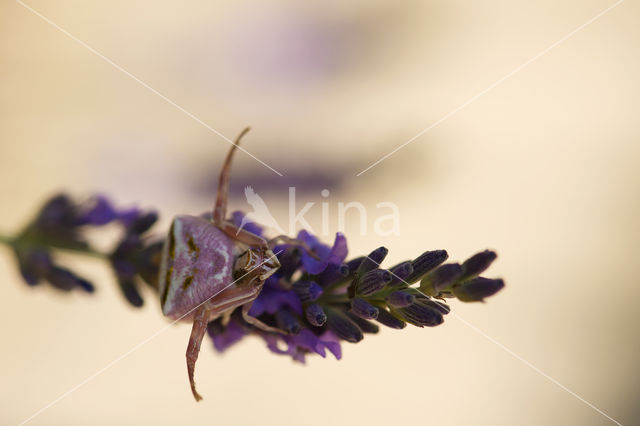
{"points": [[242, 261]]}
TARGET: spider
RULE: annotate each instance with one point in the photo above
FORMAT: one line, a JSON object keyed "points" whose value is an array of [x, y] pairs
{"points": [[200, 259]]}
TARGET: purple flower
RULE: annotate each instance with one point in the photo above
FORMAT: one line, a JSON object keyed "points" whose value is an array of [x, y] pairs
{"points": [[334, 255], [303, 343], [313, 302], [319, 300], [307, 291], [100, 211], [133, 257], [224, 337], [236, 218], [36, 265], [273, 298], [61, 223]]}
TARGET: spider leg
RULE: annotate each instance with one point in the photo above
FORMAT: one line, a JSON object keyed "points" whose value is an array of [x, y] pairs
{"points": [[220, 208], [242, 235], [222, 304], [294, 242], [200, 321], [226, 317], [256, 322]]}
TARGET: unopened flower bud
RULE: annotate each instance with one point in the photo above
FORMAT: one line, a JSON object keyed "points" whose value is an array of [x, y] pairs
{"points": [[400, 273], [425, 263], [343, 327], [307, 291], [372, 261], [386, 318], [440, 278], [363, 309], [421, 315], [315, 315], [400, 299], [478, 263], [477, 289], [373, 281], [287, 321]]}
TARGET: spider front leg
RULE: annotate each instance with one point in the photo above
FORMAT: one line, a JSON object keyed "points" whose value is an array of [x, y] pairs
{"points": [[244, 291], [200, 321], [256, 322], [243, 236], [229, 228], [220, 207], [294, 242], [254, 240]]}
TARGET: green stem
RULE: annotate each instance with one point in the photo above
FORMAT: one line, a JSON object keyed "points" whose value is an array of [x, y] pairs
{"points": [[334, 298], [338, 284], [86, 251], [24, 244], [5, 239]]}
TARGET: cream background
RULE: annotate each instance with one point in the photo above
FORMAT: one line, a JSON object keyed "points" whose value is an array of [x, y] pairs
{"points": [[543, 168]]}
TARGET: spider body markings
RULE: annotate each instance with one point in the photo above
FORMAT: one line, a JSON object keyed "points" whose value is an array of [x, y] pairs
{"points": [[200, 258]]}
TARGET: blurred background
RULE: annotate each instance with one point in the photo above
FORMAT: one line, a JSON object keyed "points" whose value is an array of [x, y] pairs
{"points": [[542, 168]]}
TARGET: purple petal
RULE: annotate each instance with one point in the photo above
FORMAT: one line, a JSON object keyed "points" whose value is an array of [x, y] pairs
{"points": [[102, 212], [339, 251], [307, 340], [332, 342], [232, 334], [272, 344], [236, 218], [334, 255], [272, 300]]}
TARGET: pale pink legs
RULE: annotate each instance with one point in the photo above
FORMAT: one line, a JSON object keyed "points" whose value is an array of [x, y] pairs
{"points": [[256, 322], [292, 241], [220, 211], [220, 208], [225, 301], [200, 321], [243, 292], [243, 235]]}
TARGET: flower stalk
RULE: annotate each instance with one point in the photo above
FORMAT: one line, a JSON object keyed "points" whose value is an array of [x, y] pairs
{"points": [[315, 300]]}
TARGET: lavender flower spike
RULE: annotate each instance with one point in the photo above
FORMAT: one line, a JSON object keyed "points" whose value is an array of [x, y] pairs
{"points": [[311, 304]]}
